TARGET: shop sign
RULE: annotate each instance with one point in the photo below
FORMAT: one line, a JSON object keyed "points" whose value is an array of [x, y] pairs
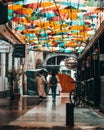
{"points": [[19, 50], [4, 49]]}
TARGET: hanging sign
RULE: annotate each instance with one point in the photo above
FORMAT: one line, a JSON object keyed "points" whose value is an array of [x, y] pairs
{"points": [[71, 63], [19, 50]]}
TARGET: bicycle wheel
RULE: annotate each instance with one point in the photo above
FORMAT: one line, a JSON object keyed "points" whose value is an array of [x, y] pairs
{"points": [[74, 98]]}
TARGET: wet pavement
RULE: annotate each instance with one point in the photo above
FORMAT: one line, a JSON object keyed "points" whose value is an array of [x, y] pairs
{"points": [[30, 113], [13, 109]]}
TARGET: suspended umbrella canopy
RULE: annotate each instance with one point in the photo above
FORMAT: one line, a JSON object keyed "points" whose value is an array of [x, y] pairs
{"points": [[58, 26]]}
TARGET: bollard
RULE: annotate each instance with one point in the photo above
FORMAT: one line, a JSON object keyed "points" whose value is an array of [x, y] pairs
{"points": [[69, 114]]}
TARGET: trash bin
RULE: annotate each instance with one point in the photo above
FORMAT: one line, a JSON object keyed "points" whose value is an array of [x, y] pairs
{"points": [[69, 114]]}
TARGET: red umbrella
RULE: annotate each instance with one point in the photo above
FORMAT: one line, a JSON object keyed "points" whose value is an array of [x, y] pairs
{"points": [[19, 19], [32, 6]]}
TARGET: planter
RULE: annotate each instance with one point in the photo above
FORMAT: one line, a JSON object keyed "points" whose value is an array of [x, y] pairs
{"points": [[15, 96]]}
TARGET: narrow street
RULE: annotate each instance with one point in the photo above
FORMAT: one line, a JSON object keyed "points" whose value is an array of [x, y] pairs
{"points": [[44, 38]]}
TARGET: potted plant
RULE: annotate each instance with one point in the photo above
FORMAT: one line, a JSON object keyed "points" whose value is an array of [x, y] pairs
{"points": [[13, 78]]}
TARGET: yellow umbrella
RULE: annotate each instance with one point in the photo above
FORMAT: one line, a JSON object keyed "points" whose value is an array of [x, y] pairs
{"points": [[69, 11], [76, 27], [71, 44], [46, 4]]}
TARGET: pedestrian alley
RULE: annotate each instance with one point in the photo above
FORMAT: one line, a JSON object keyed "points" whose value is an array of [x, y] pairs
{"points": [[46, 115]]}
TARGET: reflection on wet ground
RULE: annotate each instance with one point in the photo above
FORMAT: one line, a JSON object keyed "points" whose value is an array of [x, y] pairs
{"points": [[13, 109]]}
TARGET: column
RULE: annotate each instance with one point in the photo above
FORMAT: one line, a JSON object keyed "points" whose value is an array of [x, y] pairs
{"points": [[10, 61], [3, 71]]}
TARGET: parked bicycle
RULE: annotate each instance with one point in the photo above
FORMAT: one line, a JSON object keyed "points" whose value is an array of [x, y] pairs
{"points": [[78, 95]]}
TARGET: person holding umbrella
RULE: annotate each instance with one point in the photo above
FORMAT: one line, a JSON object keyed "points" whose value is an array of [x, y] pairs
{"points": [[40, 79]]}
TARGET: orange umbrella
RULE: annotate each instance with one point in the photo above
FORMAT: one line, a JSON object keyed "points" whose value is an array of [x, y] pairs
{"points": [[14, 7], [66, 82], [24, 11], [46, 4]]}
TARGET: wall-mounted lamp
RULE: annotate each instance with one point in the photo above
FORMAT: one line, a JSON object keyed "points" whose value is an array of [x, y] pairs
{"points": [[87, 63], [95, 56]]}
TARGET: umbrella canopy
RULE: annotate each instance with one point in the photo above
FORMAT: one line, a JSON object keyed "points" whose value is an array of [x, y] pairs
{"points": [[55, 25]]}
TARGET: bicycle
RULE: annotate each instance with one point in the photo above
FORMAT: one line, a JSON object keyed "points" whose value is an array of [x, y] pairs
{"points": [[79, 93]]}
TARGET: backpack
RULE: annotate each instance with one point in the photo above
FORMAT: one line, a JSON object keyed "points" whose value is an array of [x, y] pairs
{"points": [[53, 80]]}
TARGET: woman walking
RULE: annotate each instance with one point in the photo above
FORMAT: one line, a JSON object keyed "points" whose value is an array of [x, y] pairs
{"points": [[53, 81]]}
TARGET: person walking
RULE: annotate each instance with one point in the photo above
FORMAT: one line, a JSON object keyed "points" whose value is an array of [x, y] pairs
{"points": [[41, 85], [53, 81]]}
